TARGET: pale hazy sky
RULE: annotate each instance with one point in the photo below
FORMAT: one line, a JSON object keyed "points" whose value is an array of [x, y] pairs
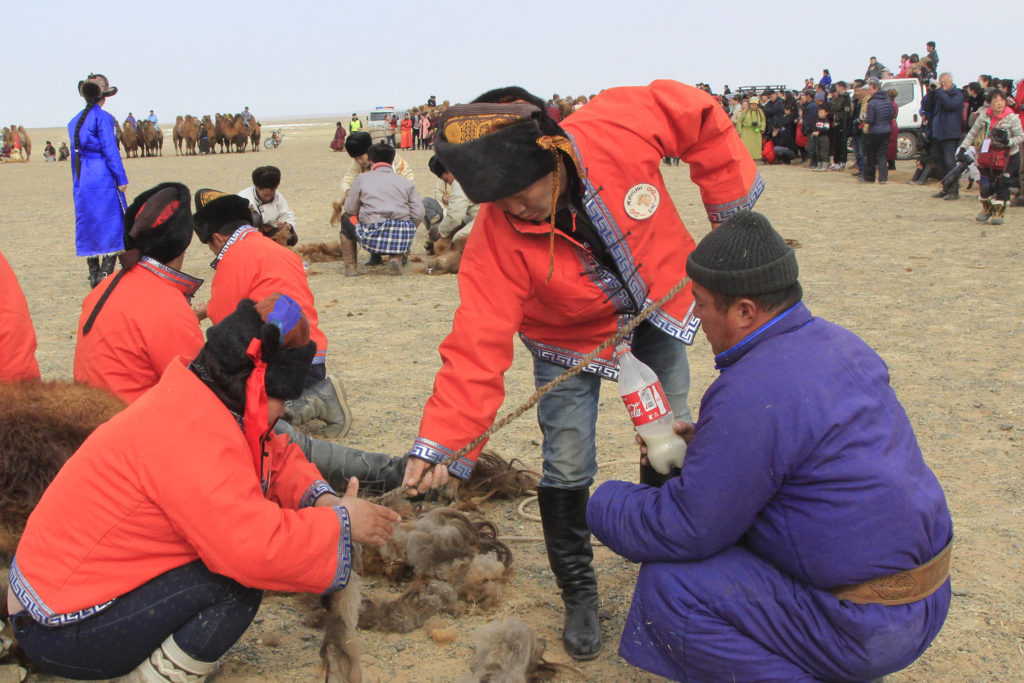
{"points": [[317, 58]]}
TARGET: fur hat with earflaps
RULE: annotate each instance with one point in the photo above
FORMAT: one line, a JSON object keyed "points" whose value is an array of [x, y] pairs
{"points": [[95, 87], [261, 349], [218, 211]]}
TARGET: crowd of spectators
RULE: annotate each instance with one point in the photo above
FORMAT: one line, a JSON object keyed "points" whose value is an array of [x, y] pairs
{"points": [[959, 138]]}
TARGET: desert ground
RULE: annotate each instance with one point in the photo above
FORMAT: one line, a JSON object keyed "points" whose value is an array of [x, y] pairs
{"points": [[938, 295]]}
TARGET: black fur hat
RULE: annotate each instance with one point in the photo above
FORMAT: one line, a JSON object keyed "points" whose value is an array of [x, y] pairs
{"points": [[266, 177], [435, 166], [159, 222], [223, 364], [219, 212], [357, 144], [490, 145]]}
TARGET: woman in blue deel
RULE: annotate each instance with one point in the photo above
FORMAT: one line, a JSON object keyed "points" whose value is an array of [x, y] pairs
{"points": [[99, 180]]}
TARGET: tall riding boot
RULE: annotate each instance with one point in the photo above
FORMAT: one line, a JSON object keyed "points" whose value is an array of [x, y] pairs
{"points": [[918, 177], [986, 211], [998, 211], [94, 270], [563, 515], [323, 401], [170, 664], [377, 472], [374, 260], [348, 256]]}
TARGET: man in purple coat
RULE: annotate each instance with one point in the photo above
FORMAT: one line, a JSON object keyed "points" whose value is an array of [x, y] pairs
{"points": [[806, 538]]}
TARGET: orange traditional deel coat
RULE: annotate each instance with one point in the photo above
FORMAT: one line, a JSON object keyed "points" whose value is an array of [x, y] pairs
{"points": [[144, 324], [620, 137], [254, 267], [169, 480], [17, 336]]}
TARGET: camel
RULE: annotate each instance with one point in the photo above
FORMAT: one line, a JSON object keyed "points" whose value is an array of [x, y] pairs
{"points": [[223, 136], [190, 131], [152, 138], [26, 143], [178, 135], [211, 132], [239, 133], [129, 140], [254, 135]]}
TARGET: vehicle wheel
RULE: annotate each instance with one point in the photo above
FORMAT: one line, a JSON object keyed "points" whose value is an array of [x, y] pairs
{"points": [[268, 143], [906, 146]]}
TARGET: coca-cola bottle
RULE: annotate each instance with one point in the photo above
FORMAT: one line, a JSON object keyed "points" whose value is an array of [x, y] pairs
{"points": [[651, 414]]}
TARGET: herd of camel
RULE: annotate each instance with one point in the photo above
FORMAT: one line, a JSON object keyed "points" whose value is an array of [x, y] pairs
{"points": [[24, 141], [226, 130]]}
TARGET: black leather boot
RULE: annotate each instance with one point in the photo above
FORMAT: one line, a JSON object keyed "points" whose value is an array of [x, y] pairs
{"points": [[107, 266], [374, 260], [94, 270], [563, 515]]}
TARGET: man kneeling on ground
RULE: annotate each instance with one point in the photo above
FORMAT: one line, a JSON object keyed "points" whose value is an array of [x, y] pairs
{"points": [[381, 211], [149, 552], [806, 538]]}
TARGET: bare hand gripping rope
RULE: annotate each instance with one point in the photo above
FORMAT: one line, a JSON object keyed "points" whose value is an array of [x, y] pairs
{"points": [[574, 370]]}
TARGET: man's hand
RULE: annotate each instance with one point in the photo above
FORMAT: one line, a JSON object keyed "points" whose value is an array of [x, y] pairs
{"points": [[683, 429], [200, 310], [371, 524], [122, 188], [421, 476]]}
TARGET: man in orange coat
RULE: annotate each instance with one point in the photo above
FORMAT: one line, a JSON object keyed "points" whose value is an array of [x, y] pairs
{"points": [[17, 336], [248, 265], [576, 234], [151, 548], [126, 340]]}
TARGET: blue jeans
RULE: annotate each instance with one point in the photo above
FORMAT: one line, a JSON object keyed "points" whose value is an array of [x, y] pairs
{"points": [[568, 413], [205, 612]]}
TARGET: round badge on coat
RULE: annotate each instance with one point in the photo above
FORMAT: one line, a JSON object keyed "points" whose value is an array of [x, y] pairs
{"points": [[642, 201]]}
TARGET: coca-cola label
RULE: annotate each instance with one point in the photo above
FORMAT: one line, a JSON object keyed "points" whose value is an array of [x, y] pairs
{"points": [[646, 405]]}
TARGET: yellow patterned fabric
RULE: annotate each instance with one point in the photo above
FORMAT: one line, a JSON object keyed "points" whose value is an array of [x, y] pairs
{"points": [[207, 196]]}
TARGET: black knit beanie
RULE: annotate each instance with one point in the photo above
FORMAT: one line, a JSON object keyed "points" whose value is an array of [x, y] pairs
{"points": [[743, 256]]}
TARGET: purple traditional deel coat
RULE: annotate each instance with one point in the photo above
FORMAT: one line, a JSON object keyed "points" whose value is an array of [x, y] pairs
{"points": [[99, 206], [804, 475]]}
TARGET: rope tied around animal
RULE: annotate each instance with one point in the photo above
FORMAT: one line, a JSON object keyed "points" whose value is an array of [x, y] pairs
{"points": [[570, 372]]}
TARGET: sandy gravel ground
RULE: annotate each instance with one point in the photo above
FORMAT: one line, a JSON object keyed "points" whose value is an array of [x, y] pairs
{"points": [[936, 294]]}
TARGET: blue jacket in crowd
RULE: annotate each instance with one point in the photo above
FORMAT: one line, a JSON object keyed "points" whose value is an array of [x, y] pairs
{"points": [[880, 113], [947, 115]]}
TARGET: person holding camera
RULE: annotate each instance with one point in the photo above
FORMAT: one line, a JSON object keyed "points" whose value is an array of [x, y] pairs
{"points": [[998, 134], [946, 116]]}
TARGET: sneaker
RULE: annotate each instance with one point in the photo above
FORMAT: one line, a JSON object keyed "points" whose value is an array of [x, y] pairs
{"points": [[862, 179], [881, 182]]}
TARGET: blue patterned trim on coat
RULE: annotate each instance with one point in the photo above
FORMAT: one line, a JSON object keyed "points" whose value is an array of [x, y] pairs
{"points": [[315, 490], [461, 468], [186, 283], [240, 234], [684, 330], [568, 358], [605, 280], [38, 609], [719, 212], [433, 452], [344, 552], [635, 291]]}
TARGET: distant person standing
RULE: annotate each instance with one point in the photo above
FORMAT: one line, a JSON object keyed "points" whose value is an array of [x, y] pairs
{"points": [[933, 56], [424, 126], [99, 180], [355, 124], [406, 132], [877, 131]]}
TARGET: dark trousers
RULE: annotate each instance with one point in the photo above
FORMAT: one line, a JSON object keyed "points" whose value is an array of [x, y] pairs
{"points": [[997, 185], [876, 147], [841, 136], [947, 153], [817, 147], [858, 150], [205, 612]]}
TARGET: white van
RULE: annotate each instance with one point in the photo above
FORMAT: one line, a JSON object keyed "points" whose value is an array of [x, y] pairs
{"points": [[909, 94], [377, 122]]}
